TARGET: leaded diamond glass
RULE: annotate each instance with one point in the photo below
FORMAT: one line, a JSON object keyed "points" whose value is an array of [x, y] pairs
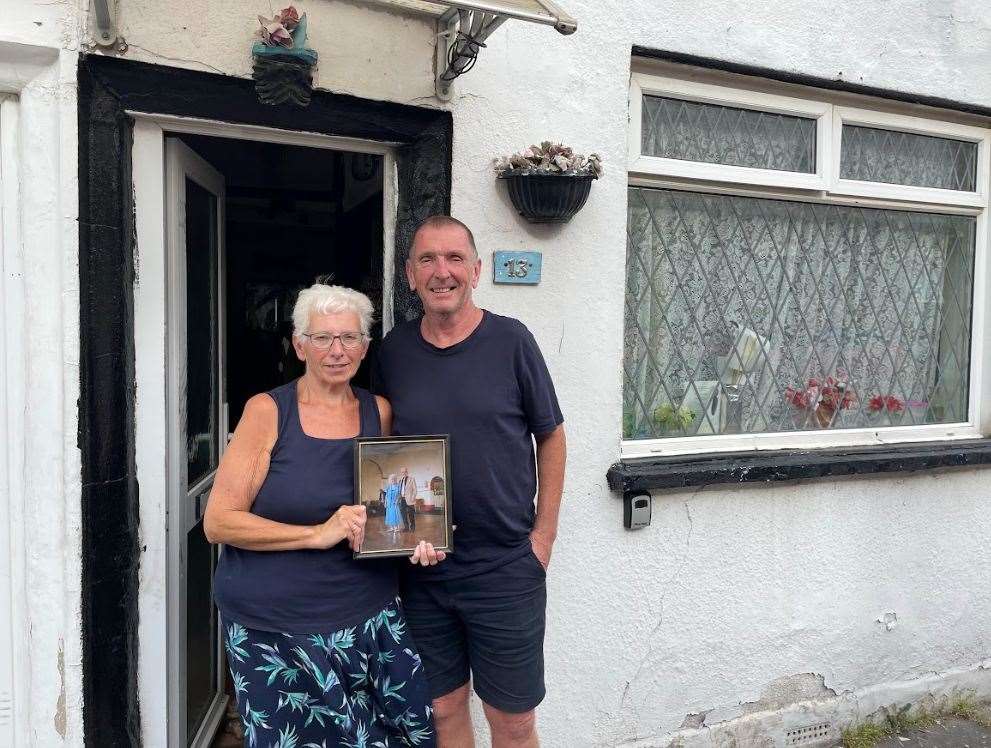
{"points": [[870, 154], [718, 134], [752, 315]]}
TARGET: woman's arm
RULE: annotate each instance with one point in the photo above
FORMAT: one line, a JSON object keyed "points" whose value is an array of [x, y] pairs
{"points": [[385, 415], [242, 471]]}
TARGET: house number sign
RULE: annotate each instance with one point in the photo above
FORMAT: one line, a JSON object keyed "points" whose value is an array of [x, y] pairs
{"points": [[516, 267]]}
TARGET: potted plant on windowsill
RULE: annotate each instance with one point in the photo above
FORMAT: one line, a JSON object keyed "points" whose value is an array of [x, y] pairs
{"points": [[548, 183], [818, 403]]}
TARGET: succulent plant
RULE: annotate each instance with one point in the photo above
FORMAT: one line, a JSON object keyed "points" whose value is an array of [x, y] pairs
{"points": [[549, 158]]}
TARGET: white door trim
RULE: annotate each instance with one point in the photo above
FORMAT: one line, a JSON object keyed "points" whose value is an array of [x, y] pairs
{"points": [[148, 159], [182, 163]]}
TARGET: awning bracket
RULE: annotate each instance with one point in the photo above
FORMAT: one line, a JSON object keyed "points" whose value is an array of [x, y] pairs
{"points": [[462, 34], [464, 26]]}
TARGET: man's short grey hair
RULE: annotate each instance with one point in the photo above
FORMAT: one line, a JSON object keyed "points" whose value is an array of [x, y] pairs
{"points": [[323, 299], [442, 221]]}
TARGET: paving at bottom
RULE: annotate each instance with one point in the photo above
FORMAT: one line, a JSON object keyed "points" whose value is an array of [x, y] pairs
{"points": [[948, 732]]}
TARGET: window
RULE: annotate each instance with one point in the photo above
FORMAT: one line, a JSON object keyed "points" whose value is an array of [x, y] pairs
{"points": [[798, 273]]}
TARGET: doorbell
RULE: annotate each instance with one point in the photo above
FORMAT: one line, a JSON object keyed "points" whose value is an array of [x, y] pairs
{"points": [[636, 509]]}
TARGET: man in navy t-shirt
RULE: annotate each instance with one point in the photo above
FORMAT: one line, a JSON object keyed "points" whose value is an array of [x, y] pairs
{"points": [[479, 377]]}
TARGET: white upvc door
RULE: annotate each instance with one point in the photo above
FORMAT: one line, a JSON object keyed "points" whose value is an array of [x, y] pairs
{"points": [[197, 431]]}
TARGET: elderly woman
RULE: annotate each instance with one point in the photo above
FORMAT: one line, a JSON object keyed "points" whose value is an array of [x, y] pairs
{"points": [[316, 641], [393, 517]]}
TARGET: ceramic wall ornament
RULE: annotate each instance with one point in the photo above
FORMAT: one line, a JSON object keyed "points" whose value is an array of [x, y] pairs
{"points": [[283, 67]]}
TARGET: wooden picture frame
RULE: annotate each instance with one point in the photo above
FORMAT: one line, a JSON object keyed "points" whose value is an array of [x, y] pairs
{"points": [[403, 509]]}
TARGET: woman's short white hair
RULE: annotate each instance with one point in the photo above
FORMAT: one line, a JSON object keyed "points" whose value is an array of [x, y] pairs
{"points": [[392, 478], [323, 299]]}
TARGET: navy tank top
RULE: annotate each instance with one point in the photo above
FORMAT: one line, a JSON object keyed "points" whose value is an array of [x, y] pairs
{"points": [[305, 591]]}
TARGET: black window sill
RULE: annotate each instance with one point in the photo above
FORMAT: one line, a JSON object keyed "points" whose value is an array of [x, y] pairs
{"points": [[687, 471]]}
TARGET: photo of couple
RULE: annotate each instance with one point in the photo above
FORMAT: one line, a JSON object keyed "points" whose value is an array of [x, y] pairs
{"points": [[403, 505]]}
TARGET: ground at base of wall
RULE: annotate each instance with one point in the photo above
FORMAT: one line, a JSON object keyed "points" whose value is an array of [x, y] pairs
{"points": [[960, 723], [951, 732]]}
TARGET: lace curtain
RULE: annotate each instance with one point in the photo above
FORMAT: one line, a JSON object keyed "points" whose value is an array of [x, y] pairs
{"points": [[734, 304]]}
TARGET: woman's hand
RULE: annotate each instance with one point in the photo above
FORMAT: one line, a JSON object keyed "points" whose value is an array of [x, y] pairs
{"points": [[348, 522], [425, 555]]}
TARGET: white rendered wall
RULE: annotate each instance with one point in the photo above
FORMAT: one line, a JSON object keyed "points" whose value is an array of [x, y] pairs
{"points": [[362, 51], [735, 599], [39, 315]]}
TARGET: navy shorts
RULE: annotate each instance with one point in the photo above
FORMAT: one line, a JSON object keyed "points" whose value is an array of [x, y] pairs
{"points": [[489, 627]]}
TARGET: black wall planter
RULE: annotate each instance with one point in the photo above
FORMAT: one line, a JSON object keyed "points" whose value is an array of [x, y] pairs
{"points": [[546, 198]]}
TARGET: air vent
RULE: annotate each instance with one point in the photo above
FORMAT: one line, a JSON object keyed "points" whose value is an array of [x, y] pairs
{"points": [[809, 734]]}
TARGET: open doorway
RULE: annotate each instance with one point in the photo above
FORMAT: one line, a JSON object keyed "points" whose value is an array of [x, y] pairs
{"points": [[248, 223], [293, 214]]}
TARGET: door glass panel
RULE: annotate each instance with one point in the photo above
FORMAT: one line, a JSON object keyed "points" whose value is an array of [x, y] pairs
{"points": [[201, 629], [202, 434]]}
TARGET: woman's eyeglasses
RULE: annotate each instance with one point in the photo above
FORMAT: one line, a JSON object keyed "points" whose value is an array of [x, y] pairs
{"points": [[322, 340]]}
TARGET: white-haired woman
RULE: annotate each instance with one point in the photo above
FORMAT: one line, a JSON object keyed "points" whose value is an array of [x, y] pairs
{"points": [[317, 643], [393, 516]]}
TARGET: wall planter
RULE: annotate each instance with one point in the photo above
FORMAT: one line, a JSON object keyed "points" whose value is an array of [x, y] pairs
{"points": [[543, 198], [548, 183], [283, 64]]}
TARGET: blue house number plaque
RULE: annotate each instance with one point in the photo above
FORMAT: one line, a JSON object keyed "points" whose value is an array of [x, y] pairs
{"points": [[516, 267]]}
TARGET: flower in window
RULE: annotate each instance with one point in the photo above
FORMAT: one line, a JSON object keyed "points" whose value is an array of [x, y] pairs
{"points": [[822, 398], [888, 403]]}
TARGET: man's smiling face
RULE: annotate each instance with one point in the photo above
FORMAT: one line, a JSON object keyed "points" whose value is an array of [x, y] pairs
{"points": [[443, 268]]}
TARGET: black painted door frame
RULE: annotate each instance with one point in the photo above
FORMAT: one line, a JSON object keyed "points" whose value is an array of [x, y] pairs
{"points": [[108, 89]]}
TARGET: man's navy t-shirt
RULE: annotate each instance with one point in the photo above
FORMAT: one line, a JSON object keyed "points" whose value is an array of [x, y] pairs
{"points": [[490, 393]]}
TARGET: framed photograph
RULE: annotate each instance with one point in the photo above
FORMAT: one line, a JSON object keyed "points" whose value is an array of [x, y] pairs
{"points": [[404, 483]]}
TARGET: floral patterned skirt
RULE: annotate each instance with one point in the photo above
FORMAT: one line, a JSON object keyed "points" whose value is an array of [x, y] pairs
{"points": [[360, 687]]}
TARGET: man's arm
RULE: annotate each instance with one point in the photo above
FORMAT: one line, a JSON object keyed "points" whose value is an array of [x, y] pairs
{"points": [[551, 457]]}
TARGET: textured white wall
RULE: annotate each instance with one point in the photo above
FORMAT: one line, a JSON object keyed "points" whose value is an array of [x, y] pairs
{"points": [[39, 314], [366, 52], [733, 593]]}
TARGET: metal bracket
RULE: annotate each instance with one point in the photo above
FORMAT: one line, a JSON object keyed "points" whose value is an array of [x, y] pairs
{"points": [[461, 34], [106, 22]]}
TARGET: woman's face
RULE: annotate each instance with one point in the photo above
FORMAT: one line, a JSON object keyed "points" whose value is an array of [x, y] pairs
{"points": [[335, 365]]}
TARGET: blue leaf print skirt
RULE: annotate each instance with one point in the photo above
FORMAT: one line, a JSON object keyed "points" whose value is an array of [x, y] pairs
{"points": [[360, 687]]}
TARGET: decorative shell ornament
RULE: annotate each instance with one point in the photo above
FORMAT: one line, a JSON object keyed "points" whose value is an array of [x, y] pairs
{"points": [[283, 64]]}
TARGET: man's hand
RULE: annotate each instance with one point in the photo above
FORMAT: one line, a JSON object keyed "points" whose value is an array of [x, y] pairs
{"points": [[542, 547], [425, 555]]}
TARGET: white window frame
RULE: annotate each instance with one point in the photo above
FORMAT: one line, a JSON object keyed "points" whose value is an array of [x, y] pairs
{"points": [[650, 85], [918, 126], [662, 173]]}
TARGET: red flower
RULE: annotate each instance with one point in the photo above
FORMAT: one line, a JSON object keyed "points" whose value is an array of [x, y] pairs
{"points": [[889, 403], [288, 17], [835, 394]]}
